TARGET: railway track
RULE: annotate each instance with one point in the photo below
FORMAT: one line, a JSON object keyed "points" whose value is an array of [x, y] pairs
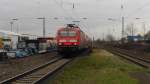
{"points": [[131, 57], [37, 74]]}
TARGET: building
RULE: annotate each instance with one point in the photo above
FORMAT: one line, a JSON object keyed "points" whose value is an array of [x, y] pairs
{"points": [[134, 38], [11, 39]]}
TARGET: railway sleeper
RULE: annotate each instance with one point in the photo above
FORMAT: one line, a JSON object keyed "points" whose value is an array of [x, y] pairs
{"points": [[29, 79], [22, 82]]}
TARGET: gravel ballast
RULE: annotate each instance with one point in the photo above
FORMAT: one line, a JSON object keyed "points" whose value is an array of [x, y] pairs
{"points": [[14, 67]]}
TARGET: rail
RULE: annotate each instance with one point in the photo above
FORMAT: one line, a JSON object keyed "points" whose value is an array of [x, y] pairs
{"points": [[130, 56], [37, 74]]}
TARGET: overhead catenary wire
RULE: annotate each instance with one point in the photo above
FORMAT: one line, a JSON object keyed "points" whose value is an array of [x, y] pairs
{"points": [[74, 14], [77, 16], [64, 10], [73, 6], [138, 9]]}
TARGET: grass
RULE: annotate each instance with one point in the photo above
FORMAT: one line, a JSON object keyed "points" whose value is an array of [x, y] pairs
{"points": [[100, 67]]}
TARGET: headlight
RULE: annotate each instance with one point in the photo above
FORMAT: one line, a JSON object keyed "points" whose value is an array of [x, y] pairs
{"points": [[62, 40], [73, 40], [75, 43], [60, 43]]}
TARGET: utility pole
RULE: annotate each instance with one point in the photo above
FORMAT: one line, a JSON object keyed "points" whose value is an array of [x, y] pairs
{"points": [[122, 28], [103, 37], [61, 3], [11, 25], [132, 29], [12, 22], [122, 8], [93, 42], [44, 31], [17, 28], [73, 6], [144, 29]]}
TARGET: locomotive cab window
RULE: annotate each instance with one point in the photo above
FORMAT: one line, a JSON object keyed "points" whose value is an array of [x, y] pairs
{"points": [[72, 33], [68, 33], [63, 33]]}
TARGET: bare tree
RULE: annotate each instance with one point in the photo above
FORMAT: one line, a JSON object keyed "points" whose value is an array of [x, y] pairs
{"points": [[147, 35], [110, 38], [130, 30]]}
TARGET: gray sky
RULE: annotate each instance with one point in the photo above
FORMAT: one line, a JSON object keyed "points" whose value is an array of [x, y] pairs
{"points": [[97, 12]]}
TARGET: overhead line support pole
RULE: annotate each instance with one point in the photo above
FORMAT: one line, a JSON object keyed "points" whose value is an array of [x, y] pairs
{"points": [[44, 33], [122, 29], [44, 30], [11, 25]]}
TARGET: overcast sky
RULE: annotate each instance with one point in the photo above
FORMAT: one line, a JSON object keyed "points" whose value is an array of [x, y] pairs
{"points": [[97, 13]]}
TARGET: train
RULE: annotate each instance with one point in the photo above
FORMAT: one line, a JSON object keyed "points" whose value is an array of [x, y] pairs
{"points": [[71, 39]]}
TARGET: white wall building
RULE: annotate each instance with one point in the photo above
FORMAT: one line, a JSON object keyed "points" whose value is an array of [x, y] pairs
{"points": [[10, 35]]}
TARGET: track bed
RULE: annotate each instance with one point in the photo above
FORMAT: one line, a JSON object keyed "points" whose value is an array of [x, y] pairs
{"points": [[16, 66]]}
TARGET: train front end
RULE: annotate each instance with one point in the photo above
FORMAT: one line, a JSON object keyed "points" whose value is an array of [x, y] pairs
{"points": [[68, 39]]}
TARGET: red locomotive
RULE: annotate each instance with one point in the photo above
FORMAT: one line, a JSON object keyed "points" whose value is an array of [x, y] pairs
{"points": [[72, 38]]}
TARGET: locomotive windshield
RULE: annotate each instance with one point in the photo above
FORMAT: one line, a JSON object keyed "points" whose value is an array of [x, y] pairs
{"points": [[68, 33], [63, 33], [72, 33]]}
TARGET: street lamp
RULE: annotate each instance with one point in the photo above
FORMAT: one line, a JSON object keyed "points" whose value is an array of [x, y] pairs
{"points": [[55, 18], [15, 19], [44, 32], [111, 19], [113, 30], [122, 21], [12, 22], [143, 23], [84, 18]]}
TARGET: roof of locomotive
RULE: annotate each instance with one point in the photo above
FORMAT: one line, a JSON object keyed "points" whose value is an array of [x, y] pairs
{"points": [[70, 27], [77, 29]]}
